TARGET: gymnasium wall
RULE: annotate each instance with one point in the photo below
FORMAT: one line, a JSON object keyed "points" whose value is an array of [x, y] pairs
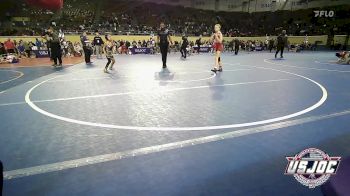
{"points": [[292, 39], [273, 5], [251, 5]]}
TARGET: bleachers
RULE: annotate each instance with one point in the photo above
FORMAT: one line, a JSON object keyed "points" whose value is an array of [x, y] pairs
{"points": [[128, 17]]}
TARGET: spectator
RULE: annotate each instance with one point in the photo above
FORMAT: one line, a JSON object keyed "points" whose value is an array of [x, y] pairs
{"points": [[9, 46], [98, 43], [26, 49], [144, 43], [78, 50], [271, 44], [2, 49], [230, 45], [139, 44], [38, 43], [70, 48], [21, 49], [198, 43], [65, 47], [134, 44], [33, 46]]}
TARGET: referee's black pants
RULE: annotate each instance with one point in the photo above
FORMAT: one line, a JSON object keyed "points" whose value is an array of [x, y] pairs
{"points": [[164, 52], [56, 52], [236, 50], [279, 48], [183, 51], [87, 54]]}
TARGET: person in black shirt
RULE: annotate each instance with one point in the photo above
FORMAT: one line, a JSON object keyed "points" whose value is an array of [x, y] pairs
{"points": [[163, 41], [231, 45], [236, 46], [2, 49], [127, 45], [86, 47], [184, 45], [98, 43], [271, 44], [281, 42], [198, 43], [56, 51]]}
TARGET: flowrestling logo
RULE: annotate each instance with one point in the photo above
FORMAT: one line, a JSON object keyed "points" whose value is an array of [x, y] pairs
{"points": [[312, 167], [324, 13]]}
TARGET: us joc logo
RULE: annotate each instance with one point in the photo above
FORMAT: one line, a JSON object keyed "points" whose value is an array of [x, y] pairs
{"points": [[312, 167]]}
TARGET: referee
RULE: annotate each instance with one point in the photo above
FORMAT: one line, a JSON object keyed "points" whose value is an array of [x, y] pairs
{"points": [[281, 43], [163, 40], [56, 51], [86, 47]]}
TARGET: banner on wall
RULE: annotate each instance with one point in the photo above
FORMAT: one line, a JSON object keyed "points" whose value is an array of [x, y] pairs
{"points": [[203, 49], [41, 53], [140, 50]]}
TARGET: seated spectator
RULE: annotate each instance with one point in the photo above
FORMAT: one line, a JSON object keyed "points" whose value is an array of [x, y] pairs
{"points": [[2, 49], [78, 50], [38, 43], [144, 43], [134, 44], [65, 47], [27, 49], [70, 48], [21, 49]]}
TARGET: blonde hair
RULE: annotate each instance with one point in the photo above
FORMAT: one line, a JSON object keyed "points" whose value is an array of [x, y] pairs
{"points": [[218, 25]]}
